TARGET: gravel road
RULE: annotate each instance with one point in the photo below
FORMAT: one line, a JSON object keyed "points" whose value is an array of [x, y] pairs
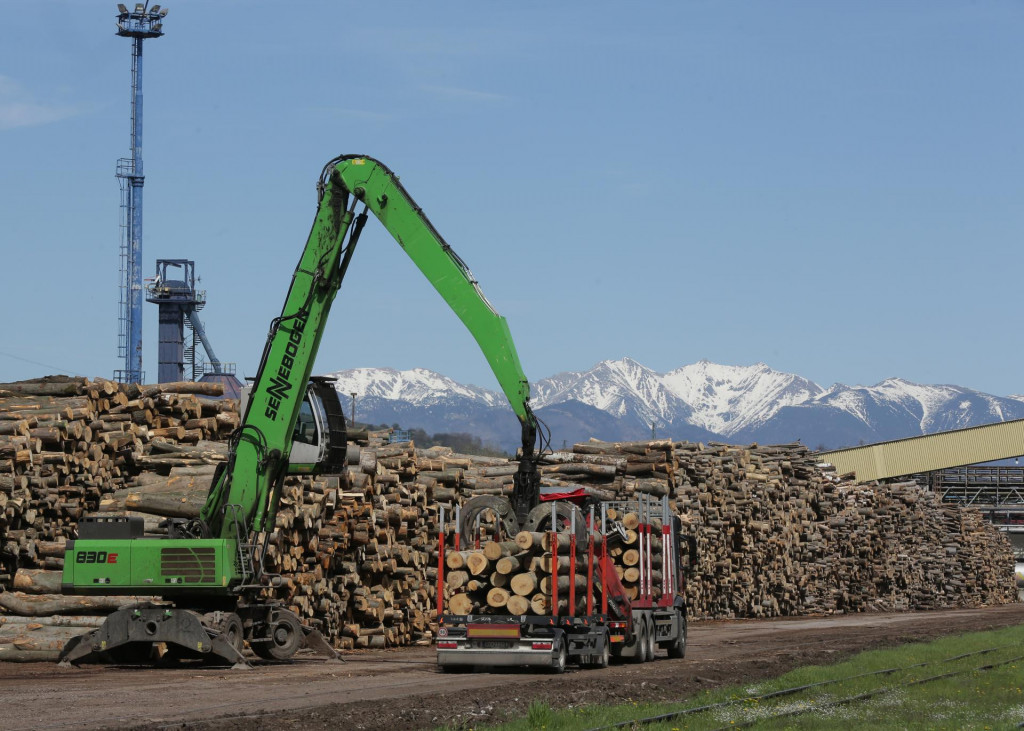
{"points": [[401, 689]]}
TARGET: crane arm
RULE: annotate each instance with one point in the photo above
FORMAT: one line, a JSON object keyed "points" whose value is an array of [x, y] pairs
{"points": [[244, 496], [379, 188]]}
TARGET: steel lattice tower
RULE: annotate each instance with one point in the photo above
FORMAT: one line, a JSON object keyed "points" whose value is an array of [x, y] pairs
{"points": [[138, 24]]}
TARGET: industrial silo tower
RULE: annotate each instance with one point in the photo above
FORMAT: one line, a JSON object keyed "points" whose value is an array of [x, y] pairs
{"points": [[174, 291]]}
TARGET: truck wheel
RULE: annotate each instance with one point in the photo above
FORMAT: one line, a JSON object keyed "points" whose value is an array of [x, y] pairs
{"points": [[229, 625], [559, 661], [285, 637], [678, 647], [650, 643], [233, 631], [640, 644]]}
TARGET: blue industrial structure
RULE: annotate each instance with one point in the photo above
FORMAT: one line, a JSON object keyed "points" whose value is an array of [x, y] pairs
{"points": [[142, 22], [179, 302]]}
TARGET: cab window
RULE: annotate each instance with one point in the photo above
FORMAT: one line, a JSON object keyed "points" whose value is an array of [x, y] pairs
{"points": [[305, 425]]}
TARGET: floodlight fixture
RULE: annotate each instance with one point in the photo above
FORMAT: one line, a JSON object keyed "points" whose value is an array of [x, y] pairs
{"points": [[141, 22]]}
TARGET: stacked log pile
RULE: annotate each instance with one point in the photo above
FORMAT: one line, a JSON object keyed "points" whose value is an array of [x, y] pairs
{"points": [[777, 534], [780, 535], [67, 446], [67, 443], [357, 549]]}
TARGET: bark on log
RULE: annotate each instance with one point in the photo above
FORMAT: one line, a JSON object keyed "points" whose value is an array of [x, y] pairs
{"points": [[35, 605], [37, 581]]}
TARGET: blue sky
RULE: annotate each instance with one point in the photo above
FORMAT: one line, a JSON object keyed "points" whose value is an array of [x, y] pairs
{"points": [[832, 188]]}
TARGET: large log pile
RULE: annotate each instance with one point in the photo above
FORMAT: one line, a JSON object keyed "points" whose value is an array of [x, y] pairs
{"points": [[777, 534], [65, 443]]}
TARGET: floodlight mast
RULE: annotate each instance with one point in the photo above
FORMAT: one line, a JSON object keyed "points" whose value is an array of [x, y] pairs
{"points": [[136, 24]]}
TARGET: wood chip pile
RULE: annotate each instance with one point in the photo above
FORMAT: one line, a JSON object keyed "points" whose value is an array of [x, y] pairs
{"points": [[777, 534]]}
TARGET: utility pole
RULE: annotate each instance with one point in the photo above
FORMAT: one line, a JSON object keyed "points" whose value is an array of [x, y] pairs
{"points": [[142, 22]]}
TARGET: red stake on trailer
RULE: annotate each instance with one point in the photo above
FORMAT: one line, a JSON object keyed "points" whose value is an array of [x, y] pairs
{"points": [[590, 564], [572, 576], [604, 564], [458, 525], [668, 558], [647, 550], [572, 565], [642, 594], [554, 562], [440, 567], [650, 556]]}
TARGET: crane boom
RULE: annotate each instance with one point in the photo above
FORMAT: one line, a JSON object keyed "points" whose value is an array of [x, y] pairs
{"points": [[379, 188], [261, 451]]}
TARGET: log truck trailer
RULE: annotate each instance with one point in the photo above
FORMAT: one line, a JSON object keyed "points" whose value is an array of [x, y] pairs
{"points": [[209, 571], [586, 625]]}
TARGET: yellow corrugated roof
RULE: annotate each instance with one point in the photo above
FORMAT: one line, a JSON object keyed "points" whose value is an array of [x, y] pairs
{"points": [[930, 452]]}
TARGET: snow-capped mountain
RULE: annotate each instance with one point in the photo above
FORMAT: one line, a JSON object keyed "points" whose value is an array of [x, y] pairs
{"points": [[418, 386], [729, 399], [622, 388], [623, 399]]}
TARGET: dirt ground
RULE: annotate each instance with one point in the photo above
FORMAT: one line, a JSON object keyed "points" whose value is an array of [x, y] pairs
{"points": [[402, 689]]}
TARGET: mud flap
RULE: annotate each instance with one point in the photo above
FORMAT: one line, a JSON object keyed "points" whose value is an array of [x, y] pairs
{"points": [[128, 634]]}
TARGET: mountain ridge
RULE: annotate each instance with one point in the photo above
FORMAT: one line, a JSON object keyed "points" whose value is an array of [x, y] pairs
{"points": [[623, 399]]}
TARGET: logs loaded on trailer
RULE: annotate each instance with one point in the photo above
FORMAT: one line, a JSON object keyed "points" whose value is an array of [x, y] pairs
{"points": [[609, 586], [518, 576], [776, 533]]}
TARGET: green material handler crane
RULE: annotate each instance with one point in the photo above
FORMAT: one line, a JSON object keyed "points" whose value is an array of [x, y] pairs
{"points": [[209, 572]]}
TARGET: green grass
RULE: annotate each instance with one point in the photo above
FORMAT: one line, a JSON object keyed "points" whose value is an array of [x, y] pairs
{"points": [[973, 699]]}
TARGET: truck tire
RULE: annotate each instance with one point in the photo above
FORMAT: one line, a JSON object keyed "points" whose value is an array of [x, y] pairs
{"points": [[651, 645], [284, 637], [560, 659], [640, 643], [229, 625], [233, 631], [678, 647]]}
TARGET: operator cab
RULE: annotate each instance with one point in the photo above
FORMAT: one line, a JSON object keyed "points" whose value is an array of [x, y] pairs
{"points": [[319, 438]]}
